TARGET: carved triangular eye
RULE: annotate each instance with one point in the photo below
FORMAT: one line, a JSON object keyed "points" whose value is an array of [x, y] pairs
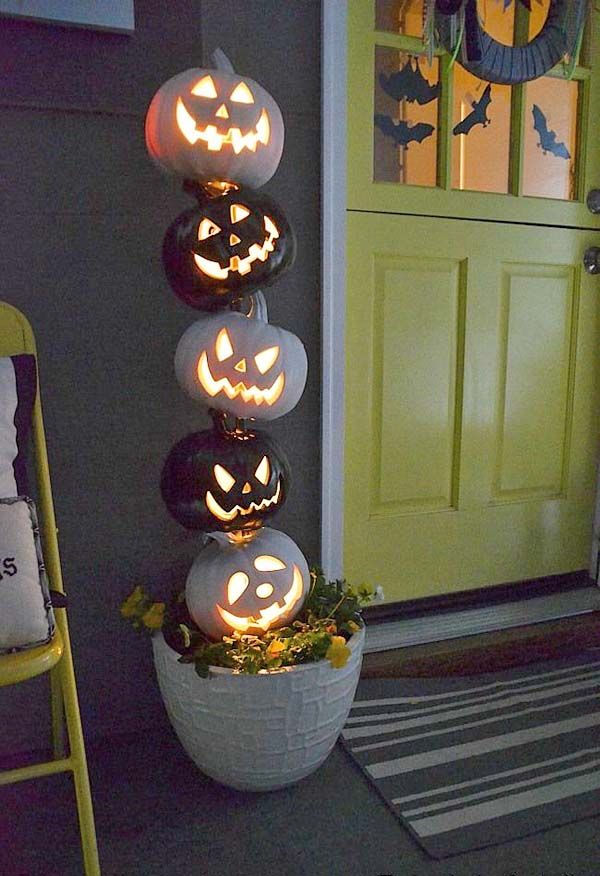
{"points": [[263, 471], [242, 94], [223, 478], [223, 346], [207, 228], [265, 563], [236, 585], [266, 359], [238, 212], [205, 87]]}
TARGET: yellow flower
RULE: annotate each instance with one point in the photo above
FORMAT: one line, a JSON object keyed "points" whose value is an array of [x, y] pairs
{"points": [[276, 646], [338, 652], [353, 627], [133, 602], [153, 618]]}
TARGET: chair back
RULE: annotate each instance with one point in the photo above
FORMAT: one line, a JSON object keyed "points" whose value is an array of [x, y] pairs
{"points": [[16, 336]]}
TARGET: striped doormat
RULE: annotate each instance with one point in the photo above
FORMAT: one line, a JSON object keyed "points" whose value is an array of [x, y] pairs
{"points": [[472, 762]]}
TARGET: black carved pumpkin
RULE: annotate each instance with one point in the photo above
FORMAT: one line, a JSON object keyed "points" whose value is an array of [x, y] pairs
{"points": [[233, 242], [220, 481]]}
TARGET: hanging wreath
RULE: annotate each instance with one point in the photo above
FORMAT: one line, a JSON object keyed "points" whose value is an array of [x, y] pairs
{"points": [[492, 61]]}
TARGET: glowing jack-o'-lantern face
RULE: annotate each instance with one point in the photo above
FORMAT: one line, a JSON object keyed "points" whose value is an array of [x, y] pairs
{"points": [[225, 119], [226, 247], [249, 587], [225, 481], [244, 366], [214, 124]]}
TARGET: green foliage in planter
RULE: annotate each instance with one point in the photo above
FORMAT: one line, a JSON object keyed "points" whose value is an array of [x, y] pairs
{"points": [[330, 616]]}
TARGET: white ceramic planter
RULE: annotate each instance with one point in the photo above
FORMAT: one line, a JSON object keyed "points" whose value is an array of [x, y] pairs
{"points": [[258, 732]]}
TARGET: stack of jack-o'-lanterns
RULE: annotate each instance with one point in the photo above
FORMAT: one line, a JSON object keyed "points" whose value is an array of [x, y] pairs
{"points": [[224, 135]]}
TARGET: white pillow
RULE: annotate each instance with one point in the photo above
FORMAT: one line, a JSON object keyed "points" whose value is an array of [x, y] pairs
{"points": [[26, 617]]}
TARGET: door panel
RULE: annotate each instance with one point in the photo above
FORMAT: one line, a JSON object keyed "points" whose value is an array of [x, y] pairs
{"points": [[535, 380], [415, 384], [471, 425]]}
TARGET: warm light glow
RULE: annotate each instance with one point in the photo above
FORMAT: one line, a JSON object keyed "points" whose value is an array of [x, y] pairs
{"points": [[236, 585], [223, 346], [242, 536], [263, 591], [223, 478], [234, 240], [263, 129], [266, 359], [214, 139], [267, 616], [248, 393], [207, 228], [266, 563], [242, 266], [222, 113], [238, 212], [242, 94], [221, 514], [205, 87], [263, 471], [271, 228], [240, 366]]}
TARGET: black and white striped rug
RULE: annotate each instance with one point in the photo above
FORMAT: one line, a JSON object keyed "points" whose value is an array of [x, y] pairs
{"points": [[472, 762]]}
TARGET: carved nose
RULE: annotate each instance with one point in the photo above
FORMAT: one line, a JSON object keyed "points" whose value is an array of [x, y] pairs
{"points": [[246, 488], [233, 239], [241, 366], [222, 113]]}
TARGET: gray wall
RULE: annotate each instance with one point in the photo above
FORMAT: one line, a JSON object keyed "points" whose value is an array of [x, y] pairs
{"points": [[81, 225]]}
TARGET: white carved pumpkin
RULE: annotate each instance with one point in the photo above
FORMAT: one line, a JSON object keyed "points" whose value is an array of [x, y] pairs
{"points": [[215, 125], [245, 366], [248, 586]]}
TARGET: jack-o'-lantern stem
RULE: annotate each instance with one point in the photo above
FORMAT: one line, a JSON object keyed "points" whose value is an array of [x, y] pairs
{"points": [[214, 188], [221, 423], [221, 61], [242, 536]]}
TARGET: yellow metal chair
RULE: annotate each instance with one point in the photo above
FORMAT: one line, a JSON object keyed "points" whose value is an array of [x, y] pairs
{"points": [[16, 336]]}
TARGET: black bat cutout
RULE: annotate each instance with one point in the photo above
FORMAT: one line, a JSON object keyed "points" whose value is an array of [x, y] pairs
{"points": [[547, 138], [402, 132], [478, 115], [409, 84]]}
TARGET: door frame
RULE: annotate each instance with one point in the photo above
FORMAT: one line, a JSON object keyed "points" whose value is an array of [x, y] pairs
{"points": [[334, 71], [333, 295]]}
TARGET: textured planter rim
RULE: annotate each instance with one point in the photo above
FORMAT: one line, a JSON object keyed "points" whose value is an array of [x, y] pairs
{"points": [[353, 643]]}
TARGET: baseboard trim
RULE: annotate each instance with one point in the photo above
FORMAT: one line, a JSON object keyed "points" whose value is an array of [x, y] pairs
{"points": [[430, 627]]}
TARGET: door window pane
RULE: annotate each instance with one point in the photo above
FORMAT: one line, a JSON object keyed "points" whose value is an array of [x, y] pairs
{"points": [[550, 138], [406, 118], [537, 17], [498, 20], [480, 133], [400, 16]]}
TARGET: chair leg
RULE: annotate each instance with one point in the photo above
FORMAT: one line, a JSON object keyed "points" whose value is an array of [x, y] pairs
{"points": [[58, 715], [80, 771]]}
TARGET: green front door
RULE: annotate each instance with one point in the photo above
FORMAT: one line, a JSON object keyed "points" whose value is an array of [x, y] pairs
{"points": [[472, 329]]}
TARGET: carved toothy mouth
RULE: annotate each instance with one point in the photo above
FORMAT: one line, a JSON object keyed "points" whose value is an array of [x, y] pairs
{"points": [[232, 137], [248, 393], [242, 266], [222, 514], [270, 614]]}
